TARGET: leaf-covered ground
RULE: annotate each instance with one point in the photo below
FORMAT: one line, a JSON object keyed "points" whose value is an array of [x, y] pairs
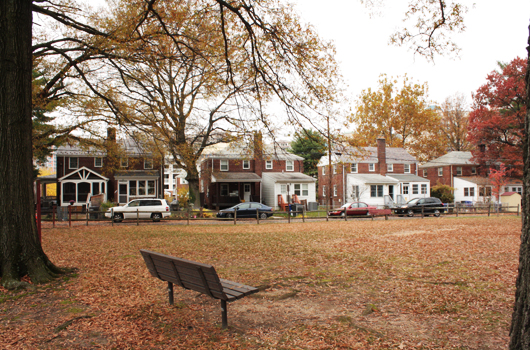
{"points": [[399, 284]]}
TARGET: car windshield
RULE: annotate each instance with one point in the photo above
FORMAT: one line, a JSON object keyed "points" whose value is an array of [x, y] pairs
{"points": [[413, 201], [346, 205]]}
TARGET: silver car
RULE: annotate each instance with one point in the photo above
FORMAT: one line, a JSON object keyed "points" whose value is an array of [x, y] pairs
{"points": [[155, 209]]}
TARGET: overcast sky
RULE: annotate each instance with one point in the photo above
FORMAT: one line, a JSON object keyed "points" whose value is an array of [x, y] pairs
{"points": [[496, 31]]}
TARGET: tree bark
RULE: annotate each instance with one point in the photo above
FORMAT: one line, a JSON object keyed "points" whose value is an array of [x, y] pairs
{"points": [[20, 249], [520, 328]]}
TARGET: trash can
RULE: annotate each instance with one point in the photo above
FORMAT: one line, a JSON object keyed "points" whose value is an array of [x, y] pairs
{"points": [[296, 209], [93, 212]]}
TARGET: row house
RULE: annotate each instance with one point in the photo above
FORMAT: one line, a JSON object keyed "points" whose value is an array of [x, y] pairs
{"points": [[82, 173], [232, 173], [470, 181], [382, 176]]}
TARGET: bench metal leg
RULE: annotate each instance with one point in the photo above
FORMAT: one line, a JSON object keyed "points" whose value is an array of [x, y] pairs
{"points": [[170, 293], [225, 314]]}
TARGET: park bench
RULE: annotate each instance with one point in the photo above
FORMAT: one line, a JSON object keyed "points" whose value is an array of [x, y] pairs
{"points": [[195, 276]]}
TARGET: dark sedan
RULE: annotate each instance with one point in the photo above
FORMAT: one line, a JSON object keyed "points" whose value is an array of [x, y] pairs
{"points": [[429, 205], [246, 210], [356, 208]]}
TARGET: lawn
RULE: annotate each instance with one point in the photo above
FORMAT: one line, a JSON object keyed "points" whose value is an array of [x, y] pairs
{"points": [[399, 284]]}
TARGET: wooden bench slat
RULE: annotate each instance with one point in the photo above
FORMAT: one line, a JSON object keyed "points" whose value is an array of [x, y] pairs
{"points": [[187, 273], [235, 284], [196, 286]]}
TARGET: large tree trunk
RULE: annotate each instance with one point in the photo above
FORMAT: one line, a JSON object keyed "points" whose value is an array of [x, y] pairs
{"points": [[20, 249], [520, 329]]}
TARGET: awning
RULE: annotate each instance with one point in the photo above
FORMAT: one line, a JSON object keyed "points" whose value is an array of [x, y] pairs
{"points": [[235, 177]]}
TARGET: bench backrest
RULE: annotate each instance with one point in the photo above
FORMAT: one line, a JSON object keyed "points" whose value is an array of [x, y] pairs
{"points": [[185, 273]]}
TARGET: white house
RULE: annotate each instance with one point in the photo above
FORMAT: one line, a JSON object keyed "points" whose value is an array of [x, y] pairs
{"points": [[287, 184]]}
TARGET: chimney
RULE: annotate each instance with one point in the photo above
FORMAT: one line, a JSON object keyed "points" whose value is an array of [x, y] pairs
{"points": [[381, 154], [258, 153]]}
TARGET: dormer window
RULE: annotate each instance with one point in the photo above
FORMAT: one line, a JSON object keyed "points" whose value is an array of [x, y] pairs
{"points": [[224, 165], [148, 164]]}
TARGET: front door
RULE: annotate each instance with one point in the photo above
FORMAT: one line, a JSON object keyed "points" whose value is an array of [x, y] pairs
{"points": [[122, 194], [391, 191], [246, 191]]}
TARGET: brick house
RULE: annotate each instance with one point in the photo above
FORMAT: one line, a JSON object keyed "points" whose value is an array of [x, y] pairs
{"points": [[82, 173], [382, 176], [232, 173]]}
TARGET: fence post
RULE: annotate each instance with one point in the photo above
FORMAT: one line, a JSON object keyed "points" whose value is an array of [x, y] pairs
{"points": [[70, 215], [235, 216], [54, 208], [87, 217], [200, 212], [188, 216], [517, 209], [345, 215], [489, 209], [112, 216], [137, 217], [303, 214], [456, 210], [422, 211], [327, 215], [257, 215], [289, 214]]}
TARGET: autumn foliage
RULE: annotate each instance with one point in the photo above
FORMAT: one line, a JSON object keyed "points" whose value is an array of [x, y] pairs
{"points": [[496, 123]]}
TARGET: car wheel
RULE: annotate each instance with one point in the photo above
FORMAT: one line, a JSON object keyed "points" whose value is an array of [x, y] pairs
{"points": [[156, 217], [436, 213], [410, 212], [263, 216], [118, 217], [229, 216]]}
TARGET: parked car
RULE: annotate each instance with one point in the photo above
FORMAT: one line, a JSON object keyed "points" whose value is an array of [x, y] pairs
{"points": [[246, 210], [155, 209], [355, 208], [430, 205]]}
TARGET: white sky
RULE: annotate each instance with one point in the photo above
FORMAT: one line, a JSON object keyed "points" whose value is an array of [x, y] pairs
{"points": [[496, 31]]}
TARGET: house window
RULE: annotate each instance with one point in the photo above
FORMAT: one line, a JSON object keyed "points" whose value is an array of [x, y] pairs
{"points": [[297, 189], [353, 168], [390, 168], [324, 170], [268, 164], [355, 192], [407, 169], [458, 171], [469, 191], [283, 189], [484, 191], [246, 164], [376, 190], [323, 191], [98, 162], [440, 171], [406, 189], [474, 170], [415, 189], [124, 162], [73, 163], [301, 189], [148, 164], [334, 168], [334, 190], [371, 167], [141, 188], [224, 190], [305, 190], [423, 188], [472, 191], [289, 165], [224, 165], [424, 172]]}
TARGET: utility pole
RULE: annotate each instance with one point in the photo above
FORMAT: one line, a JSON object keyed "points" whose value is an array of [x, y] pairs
{"points": [[329, 166]]}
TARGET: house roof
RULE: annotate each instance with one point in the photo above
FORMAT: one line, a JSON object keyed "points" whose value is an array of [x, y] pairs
{"points": [[407, 178], [289, 177], [82, 173], [478, 180], [373, 178], [243, 151], [451, 158], [130, 146], [235, 177], [394, 155]]}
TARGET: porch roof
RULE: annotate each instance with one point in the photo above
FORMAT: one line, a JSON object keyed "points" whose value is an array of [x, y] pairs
{"points": [[235, 177], [137, 174], [373, 178], [407, 178], [286, 177]]}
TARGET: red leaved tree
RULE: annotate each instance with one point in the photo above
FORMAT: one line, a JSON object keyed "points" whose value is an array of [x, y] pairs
{"points": [[498, 180], [496, 123]]}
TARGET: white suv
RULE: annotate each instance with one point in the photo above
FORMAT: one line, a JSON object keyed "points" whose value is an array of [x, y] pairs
{"points": [[155, 209]]}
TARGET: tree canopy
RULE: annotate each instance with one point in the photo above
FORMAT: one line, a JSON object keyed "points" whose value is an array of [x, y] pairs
{"points": [[312, 146], [497, 119], [402, 115]]}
